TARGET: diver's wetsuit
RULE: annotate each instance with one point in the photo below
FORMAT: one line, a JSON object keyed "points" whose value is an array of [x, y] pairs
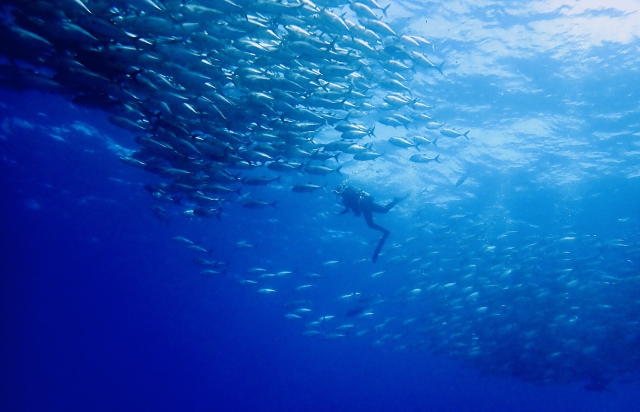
{"points": [[360, 201]]}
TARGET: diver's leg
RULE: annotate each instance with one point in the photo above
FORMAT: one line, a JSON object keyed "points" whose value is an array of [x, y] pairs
{"points": [[379, 208], [369, 219], [384, 209]]}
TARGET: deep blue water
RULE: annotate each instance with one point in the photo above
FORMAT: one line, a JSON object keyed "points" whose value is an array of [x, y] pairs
{"points": [[509, 292], [102, 311]]}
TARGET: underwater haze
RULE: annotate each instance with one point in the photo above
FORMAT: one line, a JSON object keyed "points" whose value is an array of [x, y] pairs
{"points": [[187, 189]]}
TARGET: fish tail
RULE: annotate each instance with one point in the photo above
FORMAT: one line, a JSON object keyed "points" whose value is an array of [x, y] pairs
{"points": [[437, 159], [332, 45], [384, 10]]}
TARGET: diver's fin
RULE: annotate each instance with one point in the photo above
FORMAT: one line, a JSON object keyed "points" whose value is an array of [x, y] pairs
{"points": [[379, 247]]}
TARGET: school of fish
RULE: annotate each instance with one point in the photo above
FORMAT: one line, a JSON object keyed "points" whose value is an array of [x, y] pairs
{"points": [[218, 91]]}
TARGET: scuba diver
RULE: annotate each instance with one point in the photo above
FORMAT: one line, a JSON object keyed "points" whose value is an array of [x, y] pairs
{"points": [[361, 202]]}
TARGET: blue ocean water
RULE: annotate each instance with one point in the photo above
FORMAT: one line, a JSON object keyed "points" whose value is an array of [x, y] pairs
{"points": [[102, 310]]}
